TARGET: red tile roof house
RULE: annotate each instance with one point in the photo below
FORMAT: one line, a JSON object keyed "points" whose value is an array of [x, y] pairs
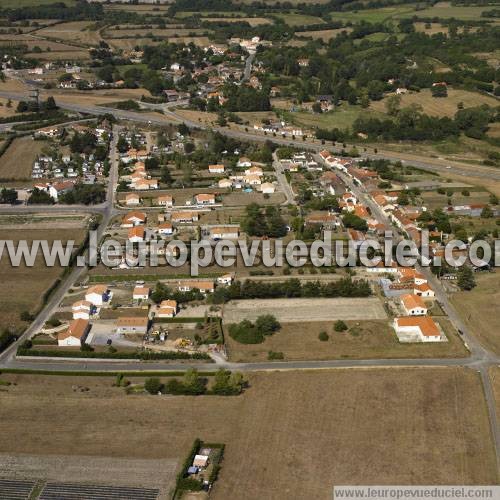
{"points": [[75, 335], [413, 305], [165, 200], [97, 295], [216, 169], [418, 329], [167, 309], [205, 199], [133, 218], [204, 286]]}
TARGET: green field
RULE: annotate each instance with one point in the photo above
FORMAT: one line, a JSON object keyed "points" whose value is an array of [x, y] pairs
{"points": [[374, 15], [442, 10], [15, 4], [445, 10], [294, 19], [342, 117]]}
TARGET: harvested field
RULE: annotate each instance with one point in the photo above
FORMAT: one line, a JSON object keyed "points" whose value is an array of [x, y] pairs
{"points": [[74, 31], [363, 427], [16, 162], [129, 43], [300, 310], [444, 106], [373, 339], [476, 308], [252, 21], [6, 111], [23, 287], [145, 33], [75, 55]]}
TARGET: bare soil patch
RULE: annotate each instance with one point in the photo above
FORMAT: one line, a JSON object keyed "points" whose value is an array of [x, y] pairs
{"points": [[300, 310]]}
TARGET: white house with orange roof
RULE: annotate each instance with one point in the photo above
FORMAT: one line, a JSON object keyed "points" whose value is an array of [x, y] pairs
{"points": [[205, 199], [424, 290], [165, 200], [136, 234], [133, 218], [244, 162], [413, 305], [132, 199], [167, 309], [98, 295], [81, 309], [204, 286], [141, 293], [216, 169], [418, 329], [75, 335], [254, 171], [165, 228]]}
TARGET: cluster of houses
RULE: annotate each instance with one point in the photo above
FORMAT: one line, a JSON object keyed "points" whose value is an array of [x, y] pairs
{"points": [[249, 177], [135, 222], [100, 296], [83, 166], [279, 128]]}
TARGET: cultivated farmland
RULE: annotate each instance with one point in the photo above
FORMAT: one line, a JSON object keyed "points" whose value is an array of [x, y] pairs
{"points": [[476, 309], [300, 310], [76, 31], [16, 162], [23, 287], [333, 427]]}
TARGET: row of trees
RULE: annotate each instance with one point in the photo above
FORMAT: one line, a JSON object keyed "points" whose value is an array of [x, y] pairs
{"points": [[249, 289], [225, 383]]}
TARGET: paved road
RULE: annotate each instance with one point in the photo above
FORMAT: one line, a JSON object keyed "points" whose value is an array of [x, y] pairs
{"points": [[283, 181], [248, 67]]}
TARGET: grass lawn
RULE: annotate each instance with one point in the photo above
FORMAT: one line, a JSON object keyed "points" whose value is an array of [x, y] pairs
{"points": [[23, 287], [364, 340], [440, 106], [479, 309], [342, 117], [294, 19], [387, 426]]}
